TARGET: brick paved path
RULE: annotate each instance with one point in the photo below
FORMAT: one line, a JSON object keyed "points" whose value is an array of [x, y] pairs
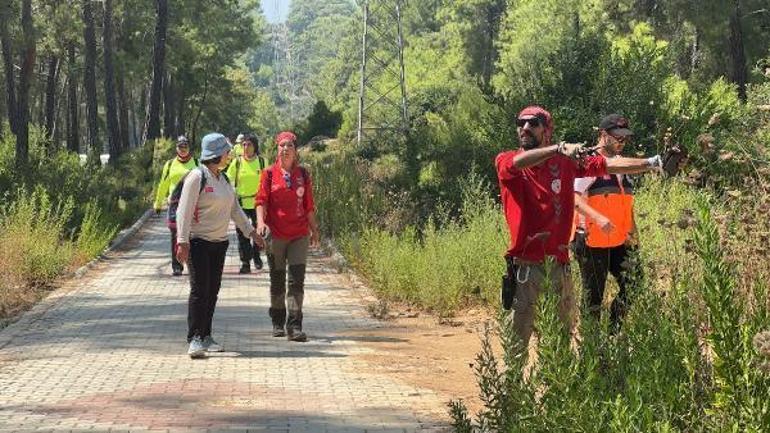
{"points": [[111, 356]]}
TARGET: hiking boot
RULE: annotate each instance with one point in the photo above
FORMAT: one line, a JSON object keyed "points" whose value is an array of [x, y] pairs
{"points": [[278, 331], [196, 350], [176, 272], [296, 335], [245, 269], [211, 345], [258, 262]]}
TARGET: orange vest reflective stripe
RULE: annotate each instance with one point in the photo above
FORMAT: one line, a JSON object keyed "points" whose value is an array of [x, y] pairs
{"points": [[615, 201]]}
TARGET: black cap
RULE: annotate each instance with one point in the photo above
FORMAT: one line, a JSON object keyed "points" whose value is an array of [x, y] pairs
{"points": [[251, 138], [615, 124]]}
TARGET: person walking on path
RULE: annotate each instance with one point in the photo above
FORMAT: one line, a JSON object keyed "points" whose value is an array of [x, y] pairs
{"points": [[286, 214], [606, 238], [536, 187], [238, 147], [173, 170], [206, 206], [244, 174]]}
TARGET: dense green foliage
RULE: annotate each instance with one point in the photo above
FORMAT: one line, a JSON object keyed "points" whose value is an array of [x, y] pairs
{"points": [[61, 213], [417, 216], [419, 221]]}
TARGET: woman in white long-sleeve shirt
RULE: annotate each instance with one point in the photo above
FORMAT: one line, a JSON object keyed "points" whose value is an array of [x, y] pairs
{"points": [[206, 206]]}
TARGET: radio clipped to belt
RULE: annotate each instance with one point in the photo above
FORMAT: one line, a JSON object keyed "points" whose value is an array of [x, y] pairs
{"points": [[511, 280], [509, 283]]}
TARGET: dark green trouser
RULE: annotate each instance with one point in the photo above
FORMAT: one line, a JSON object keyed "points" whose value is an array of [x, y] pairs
{"points": [[294, 254]]}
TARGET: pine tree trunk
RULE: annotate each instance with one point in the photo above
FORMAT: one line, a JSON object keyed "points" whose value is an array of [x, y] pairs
{"points": [[181, 127], [50, 97], [8, 66], [89, 83], [73, 138], [169, 115], [25, 82], [738, 72], [39, 97], [152, 128], [60, 97], [123, 105], [113, 133]]}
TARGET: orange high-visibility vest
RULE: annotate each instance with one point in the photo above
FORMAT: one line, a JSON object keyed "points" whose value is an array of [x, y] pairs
{"points": [[614, 200]]}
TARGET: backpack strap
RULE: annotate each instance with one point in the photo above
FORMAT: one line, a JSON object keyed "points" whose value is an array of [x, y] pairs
{"points": [[203, 180], [261, 163], [167, 168], [237, 171]]}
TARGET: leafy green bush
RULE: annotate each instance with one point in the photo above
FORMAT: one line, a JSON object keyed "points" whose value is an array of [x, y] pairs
{"points": [[61, 213], [688, 357], [95, 233], [32, 247], [443, 267]]}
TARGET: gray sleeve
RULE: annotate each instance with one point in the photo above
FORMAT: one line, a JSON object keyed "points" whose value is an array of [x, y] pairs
{"points": [[189, 198], [239, 217]]}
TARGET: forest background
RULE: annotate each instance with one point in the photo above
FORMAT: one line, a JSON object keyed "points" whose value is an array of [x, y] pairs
{"points": [[417, 216]]}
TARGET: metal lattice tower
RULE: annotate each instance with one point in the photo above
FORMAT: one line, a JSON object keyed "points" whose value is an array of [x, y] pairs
{"points": [[382, 111]]}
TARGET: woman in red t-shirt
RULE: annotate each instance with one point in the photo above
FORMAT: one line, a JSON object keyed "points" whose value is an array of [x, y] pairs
{"points": [[286, 213]]}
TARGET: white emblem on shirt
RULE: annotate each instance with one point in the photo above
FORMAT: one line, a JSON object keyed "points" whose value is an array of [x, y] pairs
{"points": [[556, 186]]}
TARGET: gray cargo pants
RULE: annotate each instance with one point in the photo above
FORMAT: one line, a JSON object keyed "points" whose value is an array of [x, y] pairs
{"points": [[294, 254]]}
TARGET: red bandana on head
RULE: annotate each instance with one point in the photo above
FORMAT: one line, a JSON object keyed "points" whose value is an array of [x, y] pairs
{"points": [[536, 110], [284, 136]]}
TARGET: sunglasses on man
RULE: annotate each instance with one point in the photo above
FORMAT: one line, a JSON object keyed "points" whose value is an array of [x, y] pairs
{"points": [[534, 122], [620, 138]]}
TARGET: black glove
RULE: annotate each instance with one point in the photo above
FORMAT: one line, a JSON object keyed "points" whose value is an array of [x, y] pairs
{"points": [[672, 160], [579, 246]]}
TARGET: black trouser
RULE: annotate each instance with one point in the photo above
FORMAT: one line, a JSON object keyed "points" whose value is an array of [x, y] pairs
{"points": [[247, 248], [595, 263], [175, 264], [205, 264]]}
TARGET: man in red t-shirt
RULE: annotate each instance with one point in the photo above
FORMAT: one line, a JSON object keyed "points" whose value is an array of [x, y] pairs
{"points": [[537, 193]]}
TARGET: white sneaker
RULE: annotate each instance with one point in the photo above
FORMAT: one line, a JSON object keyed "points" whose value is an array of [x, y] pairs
{"points": [[212, 346], [196, 350]]}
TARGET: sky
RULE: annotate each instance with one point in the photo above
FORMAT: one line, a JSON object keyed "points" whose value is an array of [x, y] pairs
{"points": [[275, 10]]}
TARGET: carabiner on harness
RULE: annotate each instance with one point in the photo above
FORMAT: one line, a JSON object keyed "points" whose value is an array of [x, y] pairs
{"points": [[518, 275]]}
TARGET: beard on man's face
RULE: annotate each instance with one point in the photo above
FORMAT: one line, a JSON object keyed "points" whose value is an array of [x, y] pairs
{"points": [[528, 140]]}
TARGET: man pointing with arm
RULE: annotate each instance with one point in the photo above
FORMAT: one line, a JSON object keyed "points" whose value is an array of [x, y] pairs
{"points": [[537, 192]]}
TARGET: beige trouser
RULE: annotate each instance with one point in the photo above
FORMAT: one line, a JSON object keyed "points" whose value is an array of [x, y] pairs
{"points": [[530, 283]]}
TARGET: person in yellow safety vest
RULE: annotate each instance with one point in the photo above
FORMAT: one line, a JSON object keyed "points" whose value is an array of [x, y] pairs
{"points": [[173, 170], [238, 148], [244, 173], [606, 238]]}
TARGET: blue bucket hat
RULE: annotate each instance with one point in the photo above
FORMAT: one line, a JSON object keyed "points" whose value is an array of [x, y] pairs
{"points": [[214, 145]]}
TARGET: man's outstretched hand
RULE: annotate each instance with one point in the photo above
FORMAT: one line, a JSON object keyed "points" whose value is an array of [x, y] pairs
{"points": [[673, 160]]}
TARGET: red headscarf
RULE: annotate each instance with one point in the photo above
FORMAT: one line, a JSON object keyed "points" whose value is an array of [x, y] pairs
{"points": [[286, 136], [543, 114]]}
